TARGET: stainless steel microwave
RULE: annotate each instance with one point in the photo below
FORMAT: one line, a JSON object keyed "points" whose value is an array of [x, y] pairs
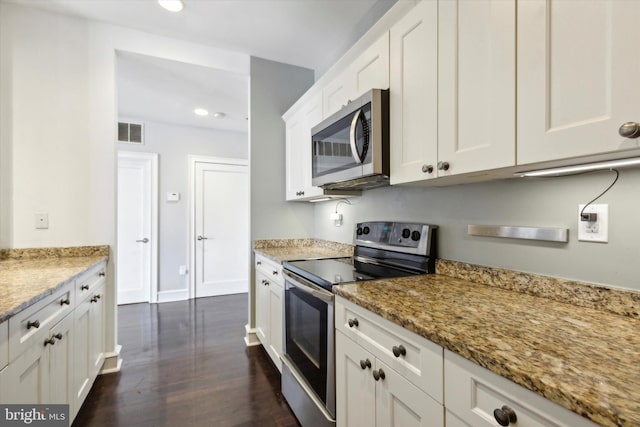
{"points": [[350, 149]]}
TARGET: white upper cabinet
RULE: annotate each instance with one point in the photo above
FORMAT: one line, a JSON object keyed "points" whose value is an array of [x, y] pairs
{"points": [[370, 70], [452, 91], [413, 95], [298, 150], [477, 84], [577, 77]]}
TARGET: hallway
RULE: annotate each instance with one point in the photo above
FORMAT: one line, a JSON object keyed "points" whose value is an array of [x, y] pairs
{"points": [[186, 364]]}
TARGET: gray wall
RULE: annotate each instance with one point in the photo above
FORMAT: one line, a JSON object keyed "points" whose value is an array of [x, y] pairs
{"points": [[551, 202], [274, 87], [174, 143]]}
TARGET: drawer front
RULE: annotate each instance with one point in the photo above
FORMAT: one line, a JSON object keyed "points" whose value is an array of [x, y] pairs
{"points": [[4, 344], [269, 268], [32, 324], [472, 393], [419, 360], [86, 283]]}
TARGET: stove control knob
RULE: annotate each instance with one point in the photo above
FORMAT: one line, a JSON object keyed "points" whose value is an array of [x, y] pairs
{"points": [[359, 231], [365, 230], [406, 233], [415, 236]]}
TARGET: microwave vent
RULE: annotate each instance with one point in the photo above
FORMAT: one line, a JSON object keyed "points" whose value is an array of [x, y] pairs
{"points": [[132, 133]]}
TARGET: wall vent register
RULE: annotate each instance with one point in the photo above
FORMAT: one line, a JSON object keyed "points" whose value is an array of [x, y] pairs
{"points": [[133, 133]]}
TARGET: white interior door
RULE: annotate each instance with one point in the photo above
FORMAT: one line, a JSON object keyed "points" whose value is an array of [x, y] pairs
{"points": [[137, 245], [221, 229]]}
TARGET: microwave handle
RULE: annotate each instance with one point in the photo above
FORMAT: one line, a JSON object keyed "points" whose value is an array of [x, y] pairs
{"points": [[358, 157]]}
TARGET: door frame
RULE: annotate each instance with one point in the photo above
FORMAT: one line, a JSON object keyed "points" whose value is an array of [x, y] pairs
{"points": [[191, 239], [153, 213]]}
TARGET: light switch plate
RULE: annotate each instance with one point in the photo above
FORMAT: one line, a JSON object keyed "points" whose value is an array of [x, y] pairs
{"points": [[42, 220], [594, 231]]}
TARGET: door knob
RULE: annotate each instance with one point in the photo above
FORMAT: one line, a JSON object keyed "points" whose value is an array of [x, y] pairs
{"points": [[201, 238], [145, 240]]}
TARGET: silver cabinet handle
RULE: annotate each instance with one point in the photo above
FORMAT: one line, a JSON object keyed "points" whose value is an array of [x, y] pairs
{"points": [[629, 130], [443, 166], [201, 238], [145, 240]]}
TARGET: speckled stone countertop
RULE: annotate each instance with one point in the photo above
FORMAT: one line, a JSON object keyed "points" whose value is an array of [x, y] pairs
{"points": [[280, 250], [26, 279], [585, 359]]}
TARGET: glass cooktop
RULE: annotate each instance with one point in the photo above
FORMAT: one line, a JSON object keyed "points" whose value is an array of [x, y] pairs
{"points": [[326, 272]]}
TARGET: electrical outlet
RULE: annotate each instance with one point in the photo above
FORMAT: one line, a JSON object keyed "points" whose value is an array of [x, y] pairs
{"points": [[337, 219], [596, 229]]}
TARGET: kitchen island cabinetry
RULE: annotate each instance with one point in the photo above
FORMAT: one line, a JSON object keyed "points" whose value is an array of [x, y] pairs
{"points": [[476, 397], [452, 84], [298, 150], [385, 376], [577, 82], [269, 294]]}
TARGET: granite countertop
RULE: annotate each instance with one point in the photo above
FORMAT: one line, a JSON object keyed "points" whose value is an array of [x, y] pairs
{"points": [[585, 359], [25, 280], [280, 250]]}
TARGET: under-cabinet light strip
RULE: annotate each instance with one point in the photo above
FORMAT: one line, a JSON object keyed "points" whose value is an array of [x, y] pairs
{"points": [[581, 168]]}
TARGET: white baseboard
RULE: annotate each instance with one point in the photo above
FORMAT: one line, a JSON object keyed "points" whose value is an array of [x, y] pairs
{"points": [[173, 295], [112, 361], [250, 337]]}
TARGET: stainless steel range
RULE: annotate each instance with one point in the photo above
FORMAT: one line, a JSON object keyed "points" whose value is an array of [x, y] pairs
{"points": [[382, 250]]}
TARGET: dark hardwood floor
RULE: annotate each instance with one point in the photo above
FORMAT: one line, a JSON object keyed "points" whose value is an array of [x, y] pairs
{"points": [[186, 364]]}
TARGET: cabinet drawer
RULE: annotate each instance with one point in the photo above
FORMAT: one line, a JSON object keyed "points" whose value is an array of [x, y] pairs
{"points": [[422, 361], [4, 344], [89, 280], [269, 268], [472, 393], [32, 324]]}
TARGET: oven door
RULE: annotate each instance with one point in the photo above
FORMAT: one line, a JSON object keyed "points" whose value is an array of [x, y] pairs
{"points": [[309, 336]]}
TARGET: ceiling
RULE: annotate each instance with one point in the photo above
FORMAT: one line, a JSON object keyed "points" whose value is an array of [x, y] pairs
{"points": [[306, 33]]}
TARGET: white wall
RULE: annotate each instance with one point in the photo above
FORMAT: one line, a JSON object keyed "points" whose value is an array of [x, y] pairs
{"points": [[547, 202], [174, 143]]}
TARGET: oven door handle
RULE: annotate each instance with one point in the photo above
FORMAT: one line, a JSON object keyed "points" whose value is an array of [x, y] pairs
{"points": [[308, 287]]}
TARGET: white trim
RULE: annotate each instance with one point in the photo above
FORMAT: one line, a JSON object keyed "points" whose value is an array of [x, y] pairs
{"points": [[191, 242], [250, 337], [112, 361], [173, 295], [153, 158]]}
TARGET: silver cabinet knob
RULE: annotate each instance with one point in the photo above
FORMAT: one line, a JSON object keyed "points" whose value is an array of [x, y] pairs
{"points": [[443, 166], [427, 168], [630, 130], [201, 238], [145, 240]]}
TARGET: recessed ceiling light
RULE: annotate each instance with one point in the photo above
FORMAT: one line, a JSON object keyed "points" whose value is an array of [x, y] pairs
{"points": [[201, 112], [219, 115], [171, 5]]}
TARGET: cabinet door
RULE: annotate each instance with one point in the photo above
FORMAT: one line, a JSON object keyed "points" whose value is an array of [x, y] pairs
{"points": [[477, 71], [97, 332], [577, 81], [28, 376], [262, 309], [400, 403], [82, 351], [413, 94], [275, 322], [337, 93], [298, 150], [355, 387], [371, 69], [61, 363], [4, 385]]}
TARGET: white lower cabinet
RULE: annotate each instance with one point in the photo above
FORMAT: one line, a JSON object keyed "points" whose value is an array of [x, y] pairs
{"points": [[269, 294], [370, 393], [55, 348], [89, 344], [385, 375], [476, 397]]}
